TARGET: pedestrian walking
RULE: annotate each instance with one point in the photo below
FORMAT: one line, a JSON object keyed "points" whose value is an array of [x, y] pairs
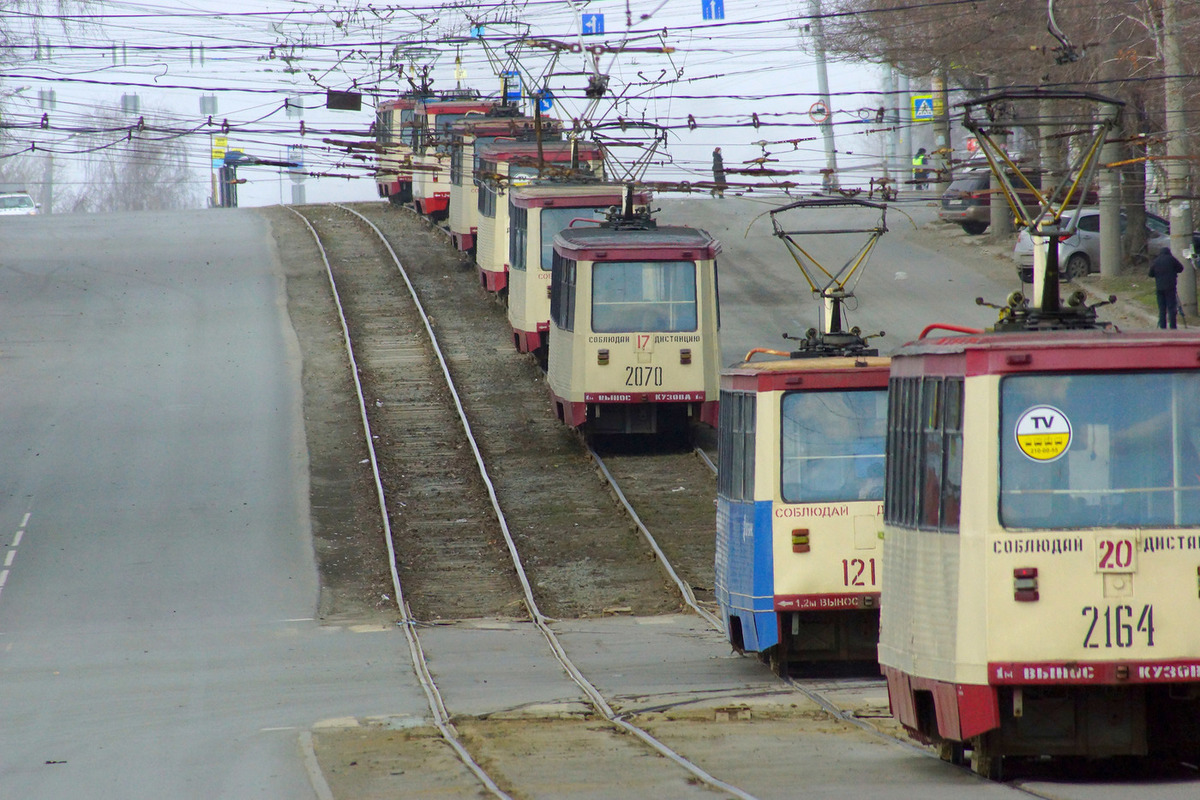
{"points": [[920, 173], [718, 189], [1165, 269]]}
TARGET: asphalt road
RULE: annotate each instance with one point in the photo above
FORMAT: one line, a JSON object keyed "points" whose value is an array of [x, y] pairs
{"points": [[158, 585]]}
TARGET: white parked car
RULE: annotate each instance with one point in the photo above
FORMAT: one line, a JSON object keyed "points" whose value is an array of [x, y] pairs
{"points": [[17, 203], [1079, 254]]}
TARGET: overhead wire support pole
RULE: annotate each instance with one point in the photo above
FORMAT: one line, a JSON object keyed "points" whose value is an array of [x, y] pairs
{"points": [[829, 179], [1178, 165]]}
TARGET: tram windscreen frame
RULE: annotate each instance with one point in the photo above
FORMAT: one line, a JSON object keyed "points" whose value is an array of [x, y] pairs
{"points": [[832, 445], [1125, 452], [650, 296]]}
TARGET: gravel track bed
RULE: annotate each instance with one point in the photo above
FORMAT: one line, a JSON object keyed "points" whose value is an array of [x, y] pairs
{"points": [[674, 493], [443, 529], [582, 554]]}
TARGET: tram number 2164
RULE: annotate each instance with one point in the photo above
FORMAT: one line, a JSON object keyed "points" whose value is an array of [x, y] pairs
{"points": [[1118, 626]]}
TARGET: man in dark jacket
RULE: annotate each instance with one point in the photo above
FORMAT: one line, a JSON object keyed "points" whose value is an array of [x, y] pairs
{"points": [[718, 174], [1165, 269]]}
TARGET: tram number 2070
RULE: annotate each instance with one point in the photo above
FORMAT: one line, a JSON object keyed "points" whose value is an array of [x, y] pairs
{"points": [[643, 376], [1117, 626]]}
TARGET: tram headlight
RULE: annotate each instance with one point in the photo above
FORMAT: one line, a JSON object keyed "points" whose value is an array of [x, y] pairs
{"points": [[685, 355], [1025, 584], [602, 356]]}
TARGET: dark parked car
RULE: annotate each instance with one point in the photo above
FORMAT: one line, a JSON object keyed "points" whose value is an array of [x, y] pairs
{"points": [[968, 201]]}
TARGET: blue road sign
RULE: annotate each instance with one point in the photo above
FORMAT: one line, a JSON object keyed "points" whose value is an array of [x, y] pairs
{"points": [[545, 100], [593, 24], [512, 83], [712, 9], [922, 108]]}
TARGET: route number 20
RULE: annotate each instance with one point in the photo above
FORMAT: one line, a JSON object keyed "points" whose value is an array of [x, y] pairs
{"points": [[1115, 555]]}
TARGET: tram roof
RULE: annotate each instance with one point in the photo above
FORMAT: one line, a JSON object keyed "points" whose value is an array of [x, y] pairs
{"points": [[573, 195], [1048, 351], [623, 244], [457, 106], [483, 125], [398, 104], [807, 374], [557, 150]]}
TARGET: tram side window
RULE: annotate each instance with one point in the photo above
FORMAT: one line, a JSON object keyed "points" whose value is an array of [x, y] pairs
{"points": [[383, 126], [832, 445], [487, 199], [644, 296], [903, 448], [1100, 450], [952, 448], [562, 295], [518, 237], [735, 445], [924, 465]]}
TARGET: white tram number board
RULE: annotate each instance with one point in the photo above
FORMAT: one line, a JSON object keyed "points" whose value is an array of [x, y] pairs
{"points": [[1116, 554], [1117, 625]]}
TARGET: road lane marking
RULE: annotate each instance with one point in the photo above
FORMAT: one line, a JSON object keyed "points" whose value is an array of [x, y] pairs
{"points": [[3, 577], [20, 535], [25, 519], [8, 559]]}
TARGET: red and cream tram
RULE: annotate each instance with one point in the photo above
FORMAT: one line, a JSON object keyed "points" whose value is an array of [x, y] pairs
{"points": [[432, 122], [393, 136], [1043, 544], [634, 327], [537, 212], [505, 164], [467, 136]]}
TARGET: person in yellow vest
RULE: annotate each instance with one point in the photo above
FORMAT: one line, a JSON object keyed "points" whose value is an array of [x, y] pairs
{"points": [[920, 174]]}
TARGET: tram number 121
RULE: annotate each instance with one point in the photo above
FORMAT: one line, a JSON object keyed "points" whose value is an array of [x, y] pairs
{"points": [[858, 572], [1114, 626]]}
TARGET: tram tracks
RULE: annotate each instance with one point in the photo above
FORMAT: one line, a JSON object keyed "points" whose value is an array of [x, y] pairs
{"points": [[397, 345], [419, 369]]}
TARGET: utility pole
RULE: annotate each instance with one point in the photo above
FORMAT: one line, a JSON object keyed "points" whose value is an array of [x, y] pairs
{"points": [[942, 150], [904, 115], [891, 119], [1111, 257], [1178, 186], [817, 27]]}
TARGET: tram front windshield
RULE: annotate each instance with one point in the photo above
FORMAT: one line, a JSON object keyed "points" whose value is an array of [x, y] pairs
{"points": [[832, 445], [1100, 450], [632, 296]]}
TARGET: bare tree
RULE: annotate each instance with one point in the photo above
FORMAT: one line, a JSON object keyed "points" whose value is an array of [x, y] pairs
{"points": [[134, 168]]}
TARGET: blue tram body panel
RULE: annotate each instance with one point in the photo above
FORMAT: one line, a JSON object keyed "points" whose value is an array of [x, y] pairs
{"points": [[746, 570]]}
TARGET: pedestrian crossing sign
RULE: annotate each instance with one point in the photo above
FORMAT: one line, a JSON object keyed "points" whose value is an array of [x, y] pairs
{"points": [[922, 108]]}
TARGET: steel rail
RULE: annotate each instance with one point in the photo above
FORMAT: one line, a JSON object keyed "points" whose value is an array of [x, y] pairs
{"points": [[595, 697], [685, 589], [437, 707]]}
